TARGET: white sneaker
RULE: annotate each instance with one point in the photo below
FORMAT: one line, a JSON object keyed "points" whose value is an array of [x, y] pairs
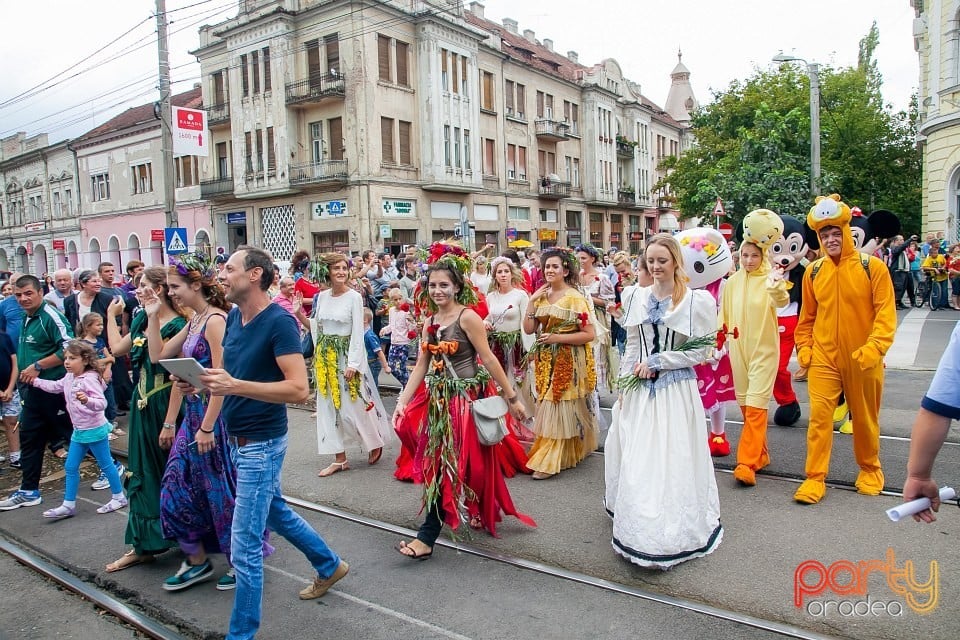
{"points": [[102, 483]]}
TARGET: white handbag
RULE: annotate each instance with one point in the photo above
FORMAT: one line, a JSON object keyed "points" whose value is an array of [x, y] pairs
{"points": [[489, 414]]}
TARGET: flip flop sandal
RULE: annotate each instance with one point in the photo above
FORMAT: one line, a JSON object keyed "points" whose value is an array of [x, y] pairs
{"points": [[374, 459], [129, 559], [400, 546]]}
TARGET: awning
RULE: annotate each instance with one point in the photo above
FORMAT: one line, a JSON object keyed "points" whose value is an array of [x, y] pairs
{"points": [[668, 222]]}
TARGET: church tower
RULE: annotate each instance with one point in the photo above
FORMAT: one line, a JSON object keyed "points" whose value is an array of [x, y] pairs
{"points": [[680, 99]]}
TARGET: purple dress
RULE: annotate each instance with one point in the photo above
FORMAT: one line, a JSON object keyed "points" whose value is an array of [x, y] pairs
{"points": [[197, 491]]}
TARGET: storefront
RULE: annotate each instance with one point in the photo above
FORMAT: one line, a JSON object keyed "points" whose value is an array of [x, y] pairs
{"points": [[547, 238]]}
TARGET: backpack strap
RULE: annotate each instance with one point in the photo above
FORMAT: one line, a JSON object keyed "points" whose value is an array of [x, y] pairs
{"points": [[817, 264]]}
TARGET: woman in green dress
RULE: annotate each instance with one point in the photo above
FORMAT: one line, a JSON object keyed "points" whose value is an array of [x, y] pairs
{"points": [[151, 424]]}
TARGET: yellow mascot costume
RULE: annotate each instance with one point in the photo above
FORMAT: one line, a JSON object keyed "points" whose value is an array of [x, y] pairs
{"points": [[749, 305], [847, 323]]}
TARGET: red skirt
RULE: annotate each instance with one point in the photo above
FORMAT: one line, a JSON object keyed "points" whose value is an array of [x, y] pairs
{"points": [[481, 468]]}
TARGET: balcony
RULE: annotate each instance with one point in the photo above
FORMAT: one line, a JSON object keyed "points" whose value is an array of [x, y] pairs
{"points": [[626, 149], [627, 197], [316, 88], [218, 114], [325, 172], [552, 130], [216, 188], [553, 189]]}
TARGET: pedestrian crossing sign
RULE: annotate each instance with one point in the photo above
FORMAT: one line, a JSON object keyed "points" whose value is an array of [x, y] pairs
{"points": [[175, 240]]}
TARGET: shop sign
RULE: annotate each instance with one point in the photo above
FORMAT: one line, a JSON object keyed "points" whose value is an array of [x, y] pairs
{"points": [[59, 245], [399, 208], [547, 234], [237, 217], [329, 209]]}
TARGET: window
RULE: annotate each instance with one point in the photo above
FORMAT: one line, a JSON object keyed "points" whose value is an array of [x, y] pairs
{"points": [[486, 91], [68, 201], [489, 160], [314, 68], [223, 163], [266, 69], [259, 150], [142, 178], [100, 186], [571, 115], [516, 162], [36, 208], [575, 178], [244, 78], [271, 152], [518, 213], [521, 163], [547, 162], [515, 97], [463, 75], [444, 81], [386, 141], [466, 149], [383, 58], [405, 157], [316, 142], [248, 151], [332, 44], [456, 147], [255, 67], [403, 63], [446, 145], [544, 105], [548, 215], [186, 171], [219, 95], [335, 128], [573, 219], [455, 69]]}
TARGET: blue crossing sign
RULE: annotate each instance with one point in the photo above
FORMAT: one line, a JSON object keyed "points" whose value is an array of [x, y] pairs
{"points": [[175, 240]]}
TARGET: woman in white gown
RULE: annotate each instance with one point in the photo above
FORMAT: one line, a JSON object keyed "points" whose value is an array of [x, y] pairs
{"points": [[660, 486], [348, 403]]}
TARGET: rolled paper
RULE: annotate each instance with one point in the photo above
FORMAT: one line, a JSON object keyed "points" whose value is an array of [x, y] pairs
{"points": [[918, 505]]}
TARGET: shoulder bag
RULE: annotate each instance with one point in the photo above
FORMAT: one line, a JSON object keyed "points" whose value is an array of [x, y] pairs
{"points": [[488, 414]]}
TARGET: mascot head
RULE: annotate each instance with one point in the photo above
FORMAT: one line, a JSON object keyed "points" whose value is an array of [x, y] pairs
{"points": [[866, 229], [762, 227], [706, 256], [831, 211], [789, 250]]}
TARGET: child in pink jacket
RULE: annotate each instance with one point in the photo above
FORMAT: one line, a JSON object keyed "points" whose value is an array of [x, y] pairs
{"points": [[83, 388]]}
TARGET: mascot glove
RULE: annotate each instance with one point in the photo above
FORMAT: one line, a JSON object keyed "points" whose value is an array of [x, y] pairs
{"points": [[867, 357], [805, 357]]}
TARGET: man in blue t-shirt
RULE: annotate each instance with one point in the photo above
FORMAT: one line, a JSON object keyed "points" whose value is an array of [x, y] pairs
{"points": [[939, 406], [263, 370]]}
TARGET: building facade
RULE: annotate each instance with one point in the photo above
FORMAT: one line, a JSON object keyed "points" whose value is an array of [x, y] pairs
{"points": [[936, 37], [121, 177], [40, 205], [353, 125]]}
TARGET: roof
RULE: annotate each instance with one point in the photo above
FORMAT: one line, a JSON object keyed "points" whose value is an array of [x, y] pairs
{"points": [[141, 115], [535, 55], [530, 53]]}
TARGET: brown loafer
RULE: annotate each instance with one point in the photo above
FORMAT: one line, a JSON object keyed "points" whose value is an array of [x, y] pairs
{"points": [[321, 585]]}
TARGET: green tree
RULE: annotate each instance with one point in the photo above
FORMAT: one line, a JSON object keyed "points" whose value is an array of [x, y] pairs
{"points": [[753, 145]]}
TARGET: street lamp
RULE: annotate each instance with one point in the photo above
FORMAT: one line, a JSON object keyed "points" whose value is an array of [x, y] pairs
{"points": [[813, 70]]}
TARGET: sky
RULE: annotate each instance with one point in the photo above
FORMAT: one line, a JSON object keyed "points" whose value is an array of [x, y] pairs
{"points": [[721, 40]]}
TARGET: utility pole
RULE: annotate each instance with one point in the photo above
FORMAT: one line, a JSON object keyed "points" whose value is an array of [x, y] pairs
{"points": [[165, 113], [813, 69]]}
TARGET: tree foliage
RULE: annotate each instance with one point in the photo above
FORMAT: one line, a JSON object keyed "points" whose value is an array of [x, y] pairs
{"points": [[753, 145]]}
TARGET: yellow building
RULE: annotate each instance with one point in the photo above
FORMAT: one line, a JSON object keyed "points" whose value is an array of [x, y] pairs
{"points": [[936, 37]]}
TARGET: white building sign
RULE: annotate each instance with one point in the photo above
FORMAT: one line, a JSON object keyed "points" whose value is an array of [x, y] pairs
{"points": [[190, 135], [329, 209], [399, 208]]}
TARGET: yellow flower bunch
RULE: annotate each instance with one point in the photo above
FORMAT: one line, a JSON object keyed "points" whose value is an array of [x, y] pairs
{"points": [[353, 387], [331, 357], [139, 341]]}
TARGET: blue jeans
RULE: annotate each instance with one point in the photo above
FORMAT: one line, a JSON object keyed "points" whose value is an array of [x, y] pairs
{"points": [[101, 451], [938, 295], [260, 505]]}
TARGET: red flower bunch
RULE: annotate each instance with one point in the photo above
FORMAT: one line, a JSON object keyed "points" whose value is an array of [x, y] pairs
{"points": [[596, 278], [432, 330], [583, 317], [440, 249], [404, 306], [723, 333], [411, 334]]}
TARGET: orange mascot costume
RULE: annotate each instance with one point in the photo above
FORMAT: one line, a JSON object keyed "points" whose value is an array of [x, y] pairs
{"points": [[847, 323]]}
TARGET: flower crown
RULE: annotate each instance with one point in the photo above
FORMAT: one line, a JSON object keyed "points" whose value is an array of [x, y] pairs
{"points": [[197, 261], [567, 255], [454, 257], [319, 270]]}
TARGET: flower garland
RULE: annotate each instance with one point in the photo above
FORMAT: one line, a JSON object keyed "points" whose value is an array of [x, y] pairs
{"points": [[329, 350], [457, 259], [197, 261]]}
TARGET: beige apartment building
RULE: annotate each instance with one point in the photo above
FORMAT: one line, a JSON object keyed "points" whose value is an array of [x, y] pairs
{"points": [[354, 125], [936, 37]]}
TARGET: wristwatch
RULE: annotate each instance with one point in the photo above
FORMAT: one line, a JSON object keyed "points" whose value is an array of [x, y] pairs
{"points": [[36, 365]]}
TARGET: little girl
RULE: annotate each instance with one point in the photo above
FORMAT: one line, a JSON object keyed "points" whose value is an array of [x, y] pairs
{"points": [[402, 329], [91, 332], [83, 388]]}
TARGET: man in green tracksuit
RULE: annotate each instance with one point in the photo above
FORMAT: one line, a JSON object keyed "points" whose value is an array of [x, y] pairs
{"points": [[44, 417]]}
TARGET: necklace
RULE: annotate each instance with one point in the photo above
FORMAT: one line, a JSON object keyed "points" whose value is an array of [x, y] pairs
{"points": [[196, 320]]}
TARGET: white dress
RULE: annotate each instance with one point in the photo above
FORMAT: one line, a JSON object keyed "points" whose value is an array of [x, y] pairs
{"points": [[660, 486], [363, 421]]}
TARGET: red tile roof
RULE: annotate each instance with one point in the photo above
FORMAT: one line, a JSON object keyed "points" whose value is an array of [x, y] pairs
{"points": [[141, 114]]}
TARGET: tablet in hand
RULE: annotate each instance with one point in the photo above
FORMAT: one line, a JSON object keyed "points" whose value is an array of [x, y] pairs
{"points": [[187, 369]]}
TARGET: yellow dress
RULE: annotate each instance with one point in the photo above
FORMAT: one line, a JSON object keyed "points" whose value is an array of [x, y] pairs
{"points": [[565, 377]]}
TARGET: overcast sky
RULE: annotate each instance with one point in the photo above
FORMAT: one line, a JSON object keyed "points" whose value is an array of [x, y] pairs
{"points": [[721, 40]]}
